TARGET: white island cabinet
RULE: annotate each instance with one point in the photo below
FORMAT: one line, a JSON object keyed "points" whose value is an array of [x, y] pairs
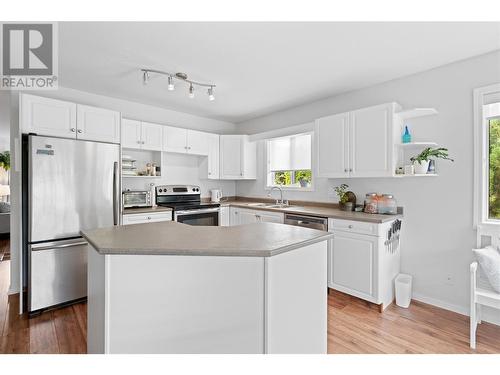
{"points": [[172, 288]]}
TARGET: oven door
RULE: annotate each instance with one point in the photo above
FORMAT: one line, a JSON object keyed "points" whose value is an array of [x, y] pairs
{"points": [[205, 217]]}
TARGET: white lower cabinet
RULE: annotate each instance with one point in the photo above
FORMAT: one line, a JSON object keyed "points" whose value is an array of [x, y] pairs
{"points": [[224, 217], [359, 262], [239, 216], [146, 218]]}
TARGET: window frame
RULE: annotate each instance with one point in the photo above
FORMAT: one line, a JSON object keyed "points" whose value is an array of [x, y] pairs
{"points": [[269, 186], [481, 156]]}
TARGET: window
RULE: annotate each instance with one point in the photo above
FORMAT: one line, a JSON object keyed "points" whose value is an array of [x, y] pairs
{"points": [[289, 161], [494, 168], [487, 152]]}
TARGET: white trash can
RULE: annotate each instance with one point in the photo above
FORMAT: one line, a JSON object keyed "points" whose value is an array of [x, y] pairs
{"points": [[403, 290]]}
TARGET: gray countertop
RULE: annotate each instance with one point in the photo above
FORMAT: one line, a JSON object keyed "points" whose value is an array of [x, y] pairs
{"points": [[172, 238], [321, 211]]}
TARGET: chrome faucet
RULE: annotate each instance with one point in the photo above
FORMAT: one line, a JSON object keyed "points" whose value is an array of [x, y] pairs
{"points": [[280, 201]]}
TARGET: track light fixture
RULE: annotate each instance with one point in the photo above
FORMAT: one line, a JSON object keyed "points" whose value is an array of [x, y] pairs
{"points": [[211, 95], [181, 77]]}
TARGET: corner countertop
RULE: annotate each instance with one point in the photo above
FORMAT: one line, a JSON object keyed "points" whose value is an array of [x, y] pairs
{"points": [[172, 238], [308, 208], [145, 210]]}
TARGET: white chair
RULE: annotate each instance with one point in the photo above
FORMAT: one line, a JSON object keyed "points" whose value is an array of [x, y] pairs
{"points": [[481, 293]]}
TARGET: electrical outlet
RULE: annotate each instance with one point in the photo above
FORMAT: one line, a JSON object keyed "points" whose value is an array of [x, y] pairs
{"points": [[450, 280]]}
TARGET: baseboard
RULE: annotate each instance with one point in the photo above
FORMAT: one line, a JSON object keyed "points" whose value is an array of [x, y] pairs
{"points": [[463, 310], [12, 291]]}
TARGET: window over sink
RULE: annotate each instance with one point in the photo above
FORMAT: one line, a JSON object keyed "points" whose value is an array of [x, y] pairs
{"points": [[289, 162]]}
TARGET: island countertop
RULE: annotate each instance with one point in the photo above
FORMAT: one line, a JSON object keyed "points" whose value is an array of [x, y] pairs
{"points": [[172, 238]]}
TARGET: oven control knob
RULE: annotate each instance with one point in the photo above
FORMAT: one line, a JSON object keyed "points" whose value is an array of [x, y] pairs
{"points": [[194, 189], [160, 190]]}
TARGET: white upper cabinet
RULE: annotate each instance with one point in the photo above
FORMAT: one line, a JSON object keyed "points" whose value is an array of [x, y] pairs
{"points": [[238, 157], [357, 144], [97, 124], [209, 166], [371, 146], [141, 135], [174, 139], [131, 133], [332, 139], [51, 117], [48, 117], [197, 142], [151, 136]]}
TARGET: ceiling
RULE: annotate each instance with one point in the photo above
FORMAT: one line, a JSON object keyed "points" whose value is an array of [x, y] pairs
{"points": [[259, 68]]}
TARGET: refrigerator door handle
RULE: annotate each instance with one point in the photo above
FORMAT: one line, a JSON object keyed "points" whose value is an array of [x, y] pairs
{"points": [[115, 193], [61, 246]]}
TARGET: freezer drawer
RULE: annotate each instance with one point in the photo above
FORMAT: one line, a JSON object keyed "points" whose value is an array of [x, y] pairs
{"points": [[58, 273]]}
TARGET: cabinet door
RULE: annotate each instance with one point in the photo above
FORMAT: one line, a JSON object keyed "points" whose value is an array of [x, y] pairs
{"points": [[174, 139], [197, 142], [131, 133], [270, 217], [247, 216], [97, 124], [352, 262], [213, 157], [249, 161], [48, 117], [331, 139], [151, 136], [371, 141], [231, 157], [224, 217]]}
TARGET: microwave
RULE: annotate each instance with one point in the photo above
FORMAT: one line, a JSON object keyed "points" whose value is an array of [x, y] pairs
{"points": [[136, 198]]}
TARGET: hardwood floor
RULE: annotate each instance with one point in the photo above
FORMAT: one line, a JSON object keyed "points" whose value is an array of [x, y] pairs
{"points": [[354, 326]]}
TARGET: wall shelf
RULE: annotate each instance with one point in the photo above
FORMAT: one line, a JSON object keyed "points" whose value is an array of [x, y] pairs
{"points": [[417, 145], [416, 175], [416, 112]]}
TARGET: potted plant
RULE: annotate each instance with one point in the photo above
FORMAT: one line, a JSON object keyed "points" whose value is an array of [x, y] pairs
{"points": [[5, 160], [343, 195], [422, 160]]}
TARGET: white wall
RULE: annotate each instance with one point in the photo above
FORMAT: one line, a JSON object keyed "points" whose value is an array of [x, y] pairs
{"points": [[129, 110], [438, 232], [179, 169]]}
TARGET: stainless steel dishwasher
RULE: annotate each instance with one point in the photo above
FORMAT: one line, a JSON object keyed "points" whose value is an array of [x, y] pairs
{"points": [[313, 222]]}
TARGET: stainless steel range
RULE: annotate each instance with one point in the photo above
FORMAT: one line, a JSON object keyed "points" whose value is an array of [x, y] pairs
{"points": [[185, 200]]}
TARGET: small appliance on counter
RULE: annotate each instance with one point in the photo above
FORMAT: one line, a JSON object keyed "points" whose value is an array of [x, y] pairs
{"points": [[136, 198], [215, 195]]}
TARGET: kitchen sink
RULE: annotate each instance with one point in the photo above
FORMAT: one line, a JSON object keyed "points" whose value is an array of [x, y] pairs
{"points": [[271, 205]]}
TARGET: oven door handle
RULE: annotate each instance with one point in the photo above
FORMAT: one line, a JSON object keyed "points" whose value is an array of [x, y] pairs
{"points": [[202, 211]]}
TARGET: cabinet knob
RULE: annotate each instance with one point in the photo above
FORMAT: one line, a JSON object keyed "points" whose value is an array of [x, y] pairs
{"points": [[345, 170], [350, 169], [139, 142], [73, 130], [209, 173], [80, 131], [149, 217], [350, 226]]}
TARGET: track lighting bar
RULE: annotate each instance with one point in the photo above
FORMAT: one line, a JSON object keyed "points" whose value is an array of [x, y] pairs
{"points": [[181, 77]]}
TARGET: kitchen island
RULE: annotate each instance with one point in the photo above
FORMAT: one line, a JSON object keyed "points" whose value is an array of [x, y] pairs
{"points": [[168, 287]]}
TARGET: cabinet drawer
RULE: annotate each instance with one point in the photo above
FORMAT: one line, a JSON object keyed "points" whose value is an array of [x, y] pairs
{"points": [[146, 218], [353, 226]]}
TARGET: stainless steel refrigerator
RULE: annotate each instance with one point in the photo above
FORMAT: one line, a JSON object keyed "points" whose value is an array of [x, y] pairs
{"points": [[69, 185]]}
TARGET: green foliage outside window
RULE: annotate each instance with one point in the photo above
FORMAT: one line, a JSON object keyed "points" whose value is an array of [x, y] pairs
{"points": [[293, 178], [494, 177]]}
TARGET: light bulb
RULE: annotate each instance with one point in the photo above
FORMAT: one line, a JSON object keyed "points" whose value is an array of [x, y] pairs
{"points": [[171, 86], [191, 91], [211, 95]]}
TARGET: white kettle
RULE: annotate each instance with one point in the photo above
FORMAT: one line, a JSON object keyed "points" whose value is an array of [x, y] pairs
{"points": [[216, 195]]}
